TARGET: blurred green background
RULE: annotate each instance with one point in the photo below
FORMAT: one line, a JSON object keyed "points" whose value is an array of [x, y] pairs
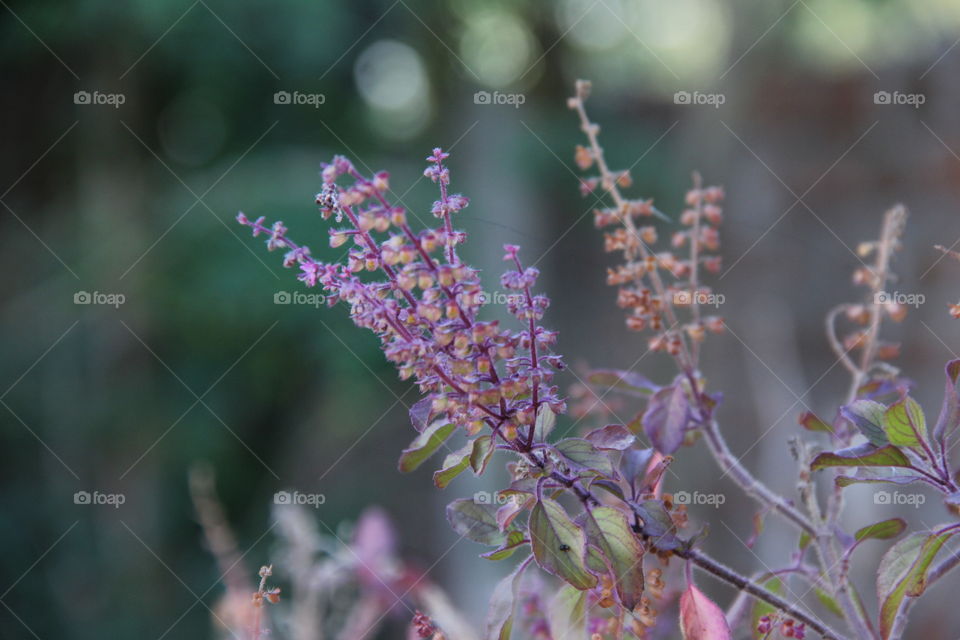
{"points": [[199, 364]]}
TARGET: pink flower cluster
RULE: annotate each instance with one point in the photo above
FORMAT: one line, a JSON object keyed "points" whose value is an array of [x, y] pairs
{"points": [[425, 305]]}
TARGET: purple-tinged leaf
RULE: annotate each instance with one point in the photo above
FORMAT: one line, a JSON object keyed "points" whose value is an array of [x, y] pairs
{"points": [[608, 530], [883, 530], [514, 541], [658, 524], [701, 618], [500, 612], [424, 445], [873, 475], [633, 466], [615, 437], [545, 423], [628, 381], [558, 544], [879, 389], [567, 613], [653, 480], [507, 512], [905, 424], [609, 486], [475, 521], [865, 455], [809, 421], [420, 413], [583, 456], [666, 419], [453, 465], [950, 410], [867, 416], [481, 453], [903, 573]]}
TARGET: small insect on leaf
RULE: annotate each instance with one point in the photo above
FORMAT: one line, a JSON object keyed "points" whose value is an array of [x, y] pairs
{"points": [[564, 547]]}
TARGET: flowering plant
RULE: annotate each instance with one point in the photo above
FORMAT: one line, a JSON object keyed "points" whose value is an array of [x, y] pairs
{"points": [[591, 510]]}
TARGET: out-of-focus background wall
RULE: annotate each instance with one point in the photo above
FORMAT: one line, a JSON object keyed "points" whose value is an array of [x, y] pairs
{"points": [[133, 133]]}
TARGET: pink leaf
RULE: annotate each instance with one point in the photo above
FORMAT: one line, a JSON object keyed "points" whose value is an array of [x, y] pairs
{"points": [[700, 618]]}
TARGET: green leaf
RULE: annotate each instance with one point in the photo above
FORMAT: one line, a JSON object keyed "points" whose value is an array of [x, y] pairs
{"points": [[514, 540], [805, 540], [809, 421], [453, 465], [867, 415], [905, 424], [546, 421], [761, 608], [500, 612], [875, 477], [608, 530], [865, 455], [424, 445], [584, 456], [559, 544], [567, 613], [475, 521], [903, 573], [828, 602], [622, 380], [883, 530], [481, 453]]}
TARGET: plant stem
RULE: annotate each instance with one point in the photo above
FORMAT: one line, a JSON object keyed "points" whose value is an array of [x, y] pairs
{"points": [[728, 575], [750, 485]]}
